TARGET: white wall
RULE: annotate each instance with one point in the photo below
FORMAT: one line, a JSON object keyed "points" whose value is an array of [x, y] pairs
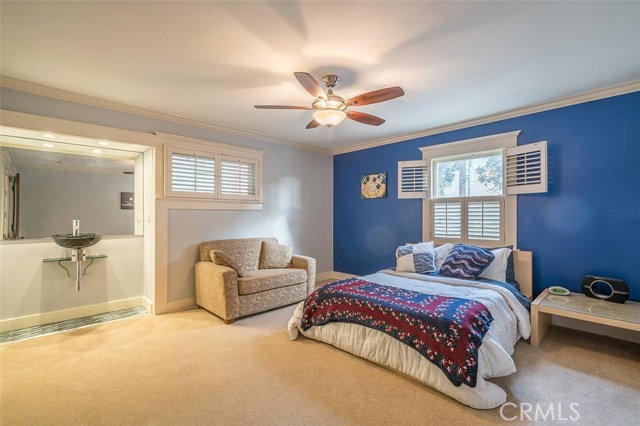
{"points": [[51, 198], [297, 195], [32, 287], [298, 190]]}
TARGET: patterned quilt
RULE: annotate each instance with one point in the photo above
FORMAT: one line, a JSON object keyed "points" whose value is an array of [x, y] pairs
{"points": [[447, 331]]}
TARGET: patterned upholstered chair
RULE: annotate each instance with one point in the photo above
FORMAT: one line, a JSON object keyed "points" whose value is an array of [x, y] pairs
{"points": [[220, 289]]}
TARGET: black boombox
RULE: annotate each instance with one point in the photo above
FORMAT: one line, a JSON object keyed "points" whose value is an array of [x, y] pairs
{"points": [[616, 290]]}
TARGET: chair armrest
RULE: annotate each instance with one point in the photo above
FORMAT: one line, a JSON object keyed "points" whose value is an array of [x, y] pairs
{"points": [[309, 264], [217, 289]]}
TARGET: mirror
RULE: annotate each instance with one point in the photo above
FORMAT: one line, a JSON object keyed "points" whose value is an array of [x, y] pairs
{"points": [[47, 184]]}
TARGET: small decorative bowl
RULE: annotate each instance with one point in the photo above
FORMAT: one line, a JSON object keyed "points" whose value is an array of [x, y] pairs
{"points": [[559, 291]]}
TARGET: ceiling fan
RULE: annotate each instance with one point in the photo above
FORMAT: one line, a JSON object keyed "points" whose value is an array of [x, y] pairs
{"points": [[331, 109]]}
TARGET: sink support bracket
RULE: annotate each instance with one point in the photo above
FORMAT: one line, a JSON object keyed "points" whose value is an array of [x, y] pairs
{"points": [[78, 256]]}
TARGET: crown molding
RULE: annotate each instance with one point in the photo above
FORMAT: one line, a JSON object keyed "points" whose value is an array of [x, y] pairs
{"points": [[52, 92], [205, 144], [607, 92]]}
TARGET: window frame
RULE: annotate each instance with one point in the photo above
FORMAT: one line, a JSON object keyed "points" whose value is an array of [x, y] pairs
{"points": [[218, 151], [469, 148]]}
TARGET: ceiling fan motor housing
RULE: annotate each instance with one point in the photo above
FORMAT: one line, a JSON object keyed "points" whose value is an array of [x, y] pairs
{"points": [[330, 80], [331, 102]]}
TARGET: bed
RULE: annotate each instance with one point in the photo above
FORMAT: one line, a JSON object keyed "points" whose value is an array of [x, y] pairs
{"points": [[510, 322]]}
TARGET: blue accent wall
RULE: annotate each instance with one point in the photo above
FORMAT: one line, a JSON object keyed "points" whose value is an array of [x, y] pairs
{"points": [[588, 222]]}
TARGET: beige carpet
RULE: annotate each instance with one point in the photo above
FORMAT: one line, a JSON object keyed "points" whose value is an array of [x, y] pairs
{"points": [[188, 368]]}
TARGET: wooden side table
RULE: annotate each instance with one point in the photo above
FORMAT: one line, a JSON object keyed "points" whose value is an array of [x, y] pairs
{"points": [[580, 307]]}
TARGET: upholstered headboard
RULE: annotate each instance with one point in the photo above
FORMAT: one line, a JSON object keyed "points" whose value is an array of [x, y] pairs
{"points": [[524, 271]]}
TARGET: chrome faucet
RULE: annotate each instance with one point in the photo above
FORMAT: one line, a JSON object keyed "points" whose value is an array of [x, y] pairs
{"points": [[76, 227]]}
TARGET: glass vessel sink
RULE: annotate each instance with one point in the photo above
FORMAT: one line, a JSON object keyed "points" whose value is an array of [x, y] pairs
{"points": [[76, 241]]}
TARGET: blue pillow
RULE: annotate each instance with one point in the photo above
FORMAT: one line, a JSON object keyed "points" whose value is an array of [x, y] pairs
{"points": [[466, 261]]}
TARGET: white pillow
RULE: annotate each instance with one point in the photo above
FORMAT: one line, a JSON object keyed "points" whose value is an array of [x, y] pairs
{"points": [[441, 254], [497, 269], [423, 247]]}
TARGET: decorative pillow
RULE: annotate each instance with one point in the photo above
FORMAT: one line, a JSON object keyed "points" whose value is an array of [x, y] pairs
{"points": [[497, 270], [466, 261], [510, 273], [416, 258], [276, 255], [441, 254], [223, 259]]}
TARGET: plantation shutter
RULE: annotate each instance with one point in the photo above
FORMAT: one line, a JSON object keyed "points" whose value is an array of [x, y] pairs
{"points": [[526, 169], [484, 220], [413, 179], [193, 172], [238, 178], [447, 219]]}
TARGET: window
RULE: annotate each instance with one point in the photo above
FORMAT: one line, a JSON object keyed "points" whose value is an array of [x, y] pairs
{"points": [[467, 198], [474, 175], [193, 172], [212, 175], [238, 178], [472, 189]]}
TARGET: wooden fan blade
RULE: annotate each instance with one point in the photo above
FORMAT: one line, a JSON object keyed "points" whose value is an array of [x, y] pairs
{"points": [[310, 84], [280, 107], [312, 124], [365, 118], [376, 96]]}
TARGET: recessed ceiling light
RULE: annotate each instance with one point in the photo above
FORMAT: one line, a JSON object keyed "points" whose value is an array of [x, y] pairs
{"points": [[48, 145], [97, 151], [48, 136], [103, 143]]}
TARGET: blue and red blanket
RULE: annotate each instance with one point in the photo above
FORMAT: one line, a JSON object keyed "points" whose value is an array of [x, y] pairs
{"points": [[447, 331]]}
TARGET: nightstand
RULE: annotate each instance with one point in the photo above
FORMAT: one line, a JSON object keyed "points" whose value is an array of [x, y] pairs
{"points": [[580, 307]]}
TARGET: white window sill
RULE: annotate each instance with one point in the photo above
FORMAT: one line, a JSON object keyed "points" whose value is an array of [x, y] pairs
{"points": [[209, 204]]}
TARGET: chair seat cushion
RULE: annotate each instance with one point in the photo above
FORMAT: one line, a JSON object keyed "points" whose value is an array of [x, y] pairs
{"points": [[268, 279]]}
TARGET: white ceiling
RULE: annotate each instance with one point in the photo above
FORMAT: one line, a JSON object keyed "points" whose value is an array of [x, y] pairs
{"points": [[212, 61]]}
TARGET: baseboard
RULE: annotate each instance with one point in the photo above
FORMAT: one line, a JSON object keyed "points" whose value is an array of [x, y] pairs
{"points": [[322, 276], [601, 329], [65, 314], [148, 305], [333, 275], [181, 304], [343, 275]]}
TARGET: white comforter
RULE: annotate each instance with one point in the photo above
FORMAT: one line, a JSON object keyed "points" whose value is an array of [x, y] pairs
{"points": [[510, 322]]}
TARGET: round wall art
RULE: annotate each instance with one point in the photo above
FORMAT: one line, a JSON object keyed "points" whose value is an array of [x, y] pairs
{"points": [[373, 186]]}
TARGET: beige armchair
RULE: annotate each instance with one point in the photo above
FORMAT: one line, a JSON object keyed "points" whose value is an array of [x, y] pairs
{"points": [[221, 291]]}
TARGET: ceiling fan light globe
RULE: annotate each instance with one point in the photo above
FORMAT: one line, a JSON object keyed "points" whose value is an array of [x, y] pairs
{"points": [[329, 117]]}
